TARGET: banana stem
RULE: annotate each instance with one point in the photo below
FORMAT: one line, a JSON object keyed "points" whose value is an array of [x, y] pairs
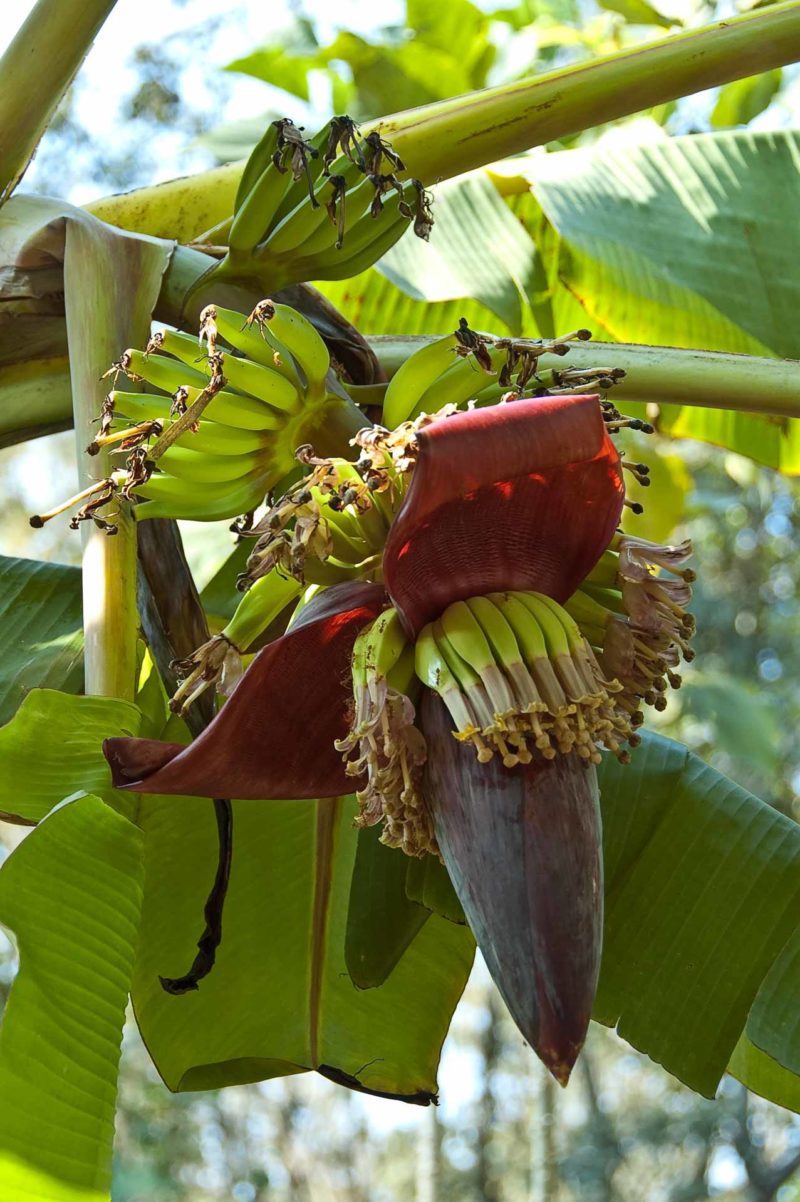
{"points": [[664, 374], [35, 71], [443, 139]]}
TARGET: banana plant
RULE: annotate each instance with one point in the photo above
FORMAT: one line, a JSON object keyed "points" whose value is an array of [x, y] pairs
{"points": [[430, 699]]}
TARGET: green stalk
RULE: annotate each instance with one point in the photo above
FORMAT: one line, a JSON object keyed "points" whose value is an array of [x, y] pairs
{"points": [[440, 140], [35, 72], [452, 136], [663, 375]]}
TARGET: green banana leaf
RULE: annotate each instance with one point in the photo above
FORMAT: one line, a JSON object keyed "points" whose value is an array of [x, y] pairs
{"points": [[279, 999], [773, 1024], [382, 919], [763, 1075], [51, 747], [376, 305], [686, 241], [470, 214], [41, 630], [71, 893], [702, 898], [679, 242]]}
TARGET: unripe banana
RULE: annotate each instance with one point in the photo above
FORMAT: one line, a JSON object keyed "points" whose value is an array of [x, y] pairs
{"points": [[164, 372], [430, 664], [260, 605], [302, 340], [555, 635], [259, 345], [258, 162], [462, 382], [587, 611], [523, 623], [305, 230], [297, 190], [415, 377], [255, 208], [574, 636], [468, 640], [226, 409], [432, 668], [168, 497], [466, 636], [263, 383], [388, 642], [202, 468], [208, 436], [363, 246], [498, 632]]}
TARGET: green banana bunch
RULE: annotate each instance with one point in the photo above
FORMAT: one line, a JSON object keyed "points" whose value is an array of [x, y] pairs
{"points": [[315, 208], [223, 418], [518, 677], [468, 366], [450, 371]]}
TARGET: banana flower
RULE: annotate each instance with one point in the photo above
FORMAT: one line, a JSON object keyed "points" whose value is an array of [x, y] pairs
{"points": [[463, 686]]}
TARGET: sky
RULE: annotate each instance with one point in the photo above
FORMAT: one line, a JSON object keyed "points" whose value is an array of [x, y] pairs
{"points": [[108, 73]]}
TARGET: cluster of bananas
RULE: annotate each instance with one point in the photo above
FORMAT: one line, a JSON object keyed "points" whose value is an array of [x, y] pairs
{"points": [[221, 423], [468, 366], [327, 207], [514, 668]]}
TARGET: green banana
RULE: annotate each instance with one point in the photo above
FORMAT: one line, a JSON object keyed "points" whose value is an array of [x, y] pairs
{"points": [[412, 380], [555, 636], [262, 188], [362, 247], [468, 640], [297, 190], [263, 383], [574, 636], [258, 608], [225, 409], [305, 230], [208, 436], [466, 636], [497, 630], [163, 372], [461, 382], [258, 162], [387, 643], [588, 613], [202, 468], [301, 339], [611, 598], [524, 625], [168, 497], [433, 669], [262, 346]]}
